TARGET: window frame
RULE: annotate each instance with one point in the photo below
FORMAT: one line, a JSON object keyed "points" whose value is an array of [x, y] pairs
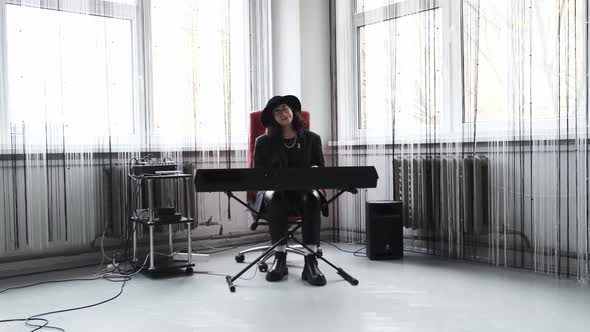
{"points": [[144, 136], [100, 8], [453, 125], [380, 15], [540, 128], [153, 137]]}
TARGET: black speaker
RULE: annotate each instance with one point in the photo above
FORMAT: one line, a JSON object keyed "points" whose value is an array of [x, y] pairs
{"points": [[384, 225]]}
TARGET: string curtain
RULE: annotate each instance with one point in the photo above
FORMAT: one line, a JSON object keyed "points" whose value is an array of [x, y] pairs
{"points": [[475, 114]]}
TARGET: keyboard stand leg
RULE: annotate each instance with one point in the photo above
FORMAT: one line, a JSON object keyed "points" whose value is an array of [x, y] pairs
{"points": [[230, 280], [339, 270]]}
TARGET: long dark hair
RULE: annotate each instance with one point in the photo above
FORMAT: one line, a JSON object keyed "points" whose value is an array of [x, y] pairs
{"points": [[276, 131]]}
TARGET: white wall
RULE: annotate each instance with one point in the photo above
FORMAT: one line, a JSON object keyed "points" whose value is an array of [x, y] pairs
{"points": [[301, 57], [286, 59], [315, 63]]}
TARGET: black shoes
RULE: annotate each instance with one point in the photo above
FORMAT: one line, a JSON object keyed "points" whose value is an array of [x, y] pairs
{"points": [[279, 267], [311, 272]]}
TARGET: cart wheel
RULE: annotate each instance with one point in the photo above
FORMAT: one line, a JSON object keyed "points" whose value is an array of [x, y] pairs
{"points": [[240, 258], [263, 267], [189, 270]]}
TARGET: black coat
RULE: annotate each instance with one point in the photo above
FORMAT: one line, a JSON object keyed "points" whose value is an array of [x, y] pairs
{"points": [[270, 153]]}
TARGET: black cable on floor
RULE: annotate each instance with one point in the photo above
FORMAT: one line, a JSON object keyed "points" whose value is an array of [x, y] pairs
{"points": [[38, 319], [48, 282], [343, 250], [35, 317], [359, 254], [121, 278]]}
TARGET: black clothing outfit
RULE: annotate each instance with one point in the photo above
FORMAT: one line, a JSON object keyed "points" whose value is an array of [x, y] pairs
{"points": [[283, 204], [303, 152], [271, 153]]}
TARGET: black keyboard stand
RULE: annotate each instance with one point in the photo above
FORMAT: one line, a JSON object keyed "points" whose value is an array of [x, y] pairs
{"points": [[289, 236], [231, 195]]}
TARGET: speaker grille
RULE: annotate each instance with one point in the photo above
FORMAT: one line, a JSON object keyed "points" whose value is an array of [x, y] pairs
{"points": [[384, 229]]}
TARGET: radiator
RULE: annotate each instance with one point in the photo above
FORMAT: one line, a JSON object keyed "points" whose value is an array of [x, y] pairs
{"points": [[52, 203], [444, 193]]}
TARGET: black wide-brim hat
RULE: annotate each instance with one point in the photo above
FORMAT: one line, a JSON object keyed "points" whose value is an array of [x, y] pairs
{"points": [[292, 101]]}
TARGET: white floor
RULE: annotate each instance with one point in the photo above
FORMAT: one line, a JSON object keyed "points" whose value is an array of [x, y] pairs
{"points": [[418, 293]]}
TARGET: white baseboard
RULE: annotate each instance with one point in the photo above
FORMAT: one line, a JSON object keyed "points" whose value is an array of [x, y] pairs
{"points": [[48, 264]]}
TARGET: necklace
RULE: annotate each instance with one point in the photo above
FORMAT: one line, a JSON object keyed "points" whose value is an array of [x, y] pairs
{"points": [[291, 145]]}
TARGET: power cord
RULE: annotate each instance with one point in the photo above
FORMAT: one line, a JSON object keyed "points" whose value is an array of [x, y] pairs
{"points": [[120, 276], [45, 323], [36, 317], [111, 277], [356, 253], [49, 282]]}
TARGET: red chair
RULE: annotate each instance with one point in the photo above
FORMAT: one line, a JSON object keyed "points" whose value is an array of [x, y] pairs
{"points": [[256, 129]]}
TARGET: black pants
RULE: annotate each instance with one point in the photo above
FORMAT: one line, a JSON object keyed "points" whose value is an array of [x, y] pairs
{"points": [[281, 204]]}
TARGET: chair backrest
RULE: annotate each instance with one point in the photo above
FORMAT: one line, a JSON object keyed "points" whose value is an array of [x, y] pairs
{"points": [[255, 129]]}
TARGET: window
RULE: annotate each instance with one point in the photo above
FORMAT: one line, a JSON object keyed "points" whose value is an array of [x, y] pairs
{"points": [[522, 62], [397, 72], [82, 71], [366, 5], [399, 64], [440, 66], [71, 71], [200, 64]]}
